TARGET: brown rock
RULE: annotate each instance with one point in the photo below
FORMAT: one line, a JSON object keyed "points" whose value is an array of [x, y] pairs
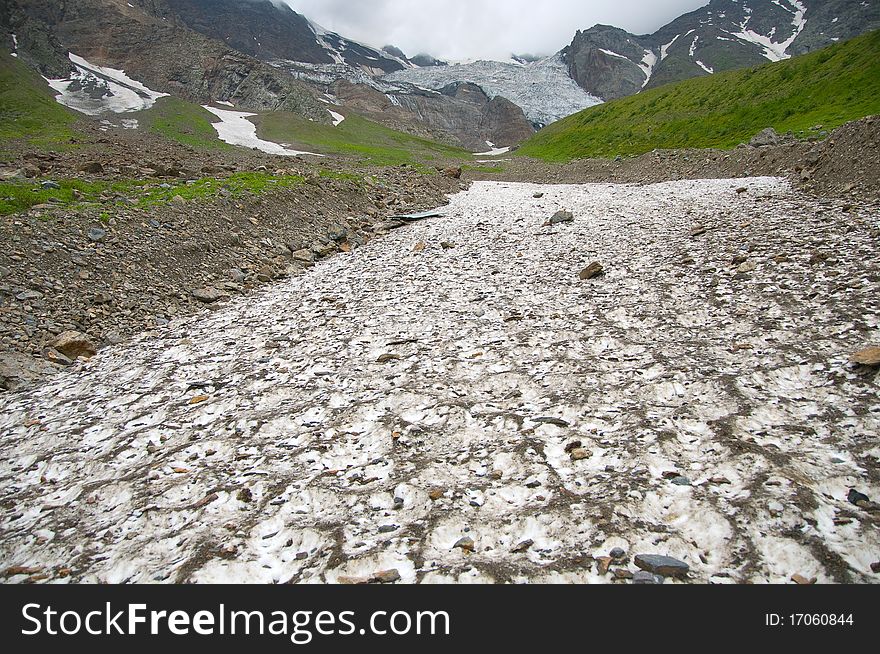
{"points": [[869, 357], [592, 271], [580, 454], [466, 544], [75, 344], [436, 494], [523, 547], [453, 173], [800, 580], [386, 577]]}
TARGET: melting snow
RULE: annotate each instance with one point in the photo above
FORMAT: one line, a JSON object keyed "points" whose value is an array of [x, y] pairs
{"points": [[95, 90], [664, 50], [235, 128], [308, 441], [494, 152], [776, 51], [708, 69]]}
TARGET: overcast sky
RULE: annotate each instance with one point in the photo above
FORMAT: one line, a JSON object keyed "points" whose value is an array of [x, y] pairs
{"points": [[472, 29]]}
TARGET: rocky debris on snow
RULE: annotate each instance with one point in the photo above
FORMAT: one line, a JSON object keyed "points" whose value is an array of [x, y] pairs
{"points": [[689, 369]]}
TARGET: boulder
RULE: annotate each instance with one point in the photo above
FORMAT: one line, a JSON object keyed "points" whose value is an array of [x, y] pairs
{"points": [[74, 345]]}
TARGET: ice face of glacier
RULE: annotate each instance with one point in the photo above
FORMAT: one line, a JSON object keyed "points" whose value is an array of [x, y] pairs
{"points": [[543, 89]]}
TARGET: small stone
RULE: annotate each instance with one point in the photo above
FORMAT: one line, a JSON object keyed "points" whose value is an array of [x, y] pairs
{"points": [[386, 577], [467, 544], [50, 186], [388, 529], [523, 547], [97, 234], [800, 580], [446, 245], [580, 454], [245, 495], [420, 246], [622, 574], [208, 295], [592, 271], [720, 481], [199, 399], [27, 296], [74, 345], [538, 196], [92, 168], [436, 494], [869, 357], [388, 358], [741, 190], [571, 447], [562, 217], [875, 568], [747, 267], [699, 230], [604, 564], [353, 581], [618, 554], [643, 578], [681, 481], [453, 173], [665, 566], [557, 422]]}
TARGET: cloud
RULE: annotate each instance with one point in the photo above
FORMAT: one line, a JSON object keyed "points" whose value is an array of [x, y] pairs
{"points": [[470, 29]]}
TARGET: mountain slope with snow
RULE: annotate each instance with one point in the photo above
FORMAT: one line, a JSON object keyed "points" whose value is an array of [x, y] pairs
{"points": [[724, 35]]}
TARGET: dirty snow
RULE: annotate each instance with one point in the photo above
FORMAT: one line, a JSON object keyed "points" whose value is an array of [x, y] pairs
{"points": [[776, 50], [96, 90], [235, 128], [265, 442]]}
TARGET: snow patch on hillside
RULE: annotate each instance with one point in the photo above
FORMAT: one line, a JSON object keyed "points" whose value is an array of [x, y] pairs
{"points": [[235, 128], [96, 90], [773, 50]]}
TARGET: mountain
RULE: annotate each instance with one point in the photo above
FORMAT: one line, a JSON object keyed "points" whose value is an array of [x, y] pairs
{"points": [[267, 31], [807, 95], [154, 48], [724, 35]]}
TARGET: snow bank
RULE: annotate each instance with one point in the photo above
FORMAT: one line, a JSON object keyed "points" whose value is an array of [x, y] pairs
{"points": [[235, 128], [96, 90]]}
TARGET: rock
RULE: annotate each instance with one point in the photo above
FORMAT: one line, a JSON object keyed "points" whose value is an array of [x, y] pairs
{"points": [[556, 422], [178, 199], [857, 498], [27, 296], [869, 357], [386, 577], [562, 217], [388, 529], [643, 578], [92, 168], [237, 275], [305, 256], [420, 246], [681, 481], [245, 495], [604, 564], [699, 230], [523, 547], [446, 245], [800, 580], [766, 138], [572, 446], [208, 295], [592, 271], [538, 196], [665, 566], [18, 371], [467, 544], [453, 173], [623, 575], [97, 234], [50, 186], [618, 554], [580, 454], [747, 267], [436, 494], [875, 567], [74, 345], [388, 358]]}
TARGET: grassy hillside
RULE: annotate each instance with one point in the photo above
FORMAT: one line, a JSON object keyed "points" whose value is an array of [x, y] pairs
{"points": [[829, 87], [28, 109], [183, 122], [355, 136]]}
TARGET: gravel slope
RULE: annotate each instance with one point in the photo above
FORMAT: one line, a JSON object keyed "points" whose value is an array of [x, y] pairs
{"points": [[407, 397]]}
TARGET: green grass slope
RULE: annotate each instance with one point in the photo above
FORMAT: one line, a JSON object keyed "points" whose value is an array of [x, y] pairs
{"points": [[28, 109], [183, 122], [355, 136], [829, 87]]}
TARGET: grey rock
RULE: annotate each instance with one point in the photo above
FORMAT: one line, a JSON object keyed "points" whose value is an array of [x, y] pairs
{"points": [[50, 186], [26, 296], [665, 566], [765, 138], [561, 217], [618, 554], [208, 295], [643, 578], [388, 529], [18, 371], [97, 234]]}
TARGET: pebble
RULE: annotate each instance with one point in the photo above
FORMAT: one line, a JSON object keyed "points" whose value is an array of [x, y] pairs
{"points": [[467, 544], [592, 271], [643, 578]]}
